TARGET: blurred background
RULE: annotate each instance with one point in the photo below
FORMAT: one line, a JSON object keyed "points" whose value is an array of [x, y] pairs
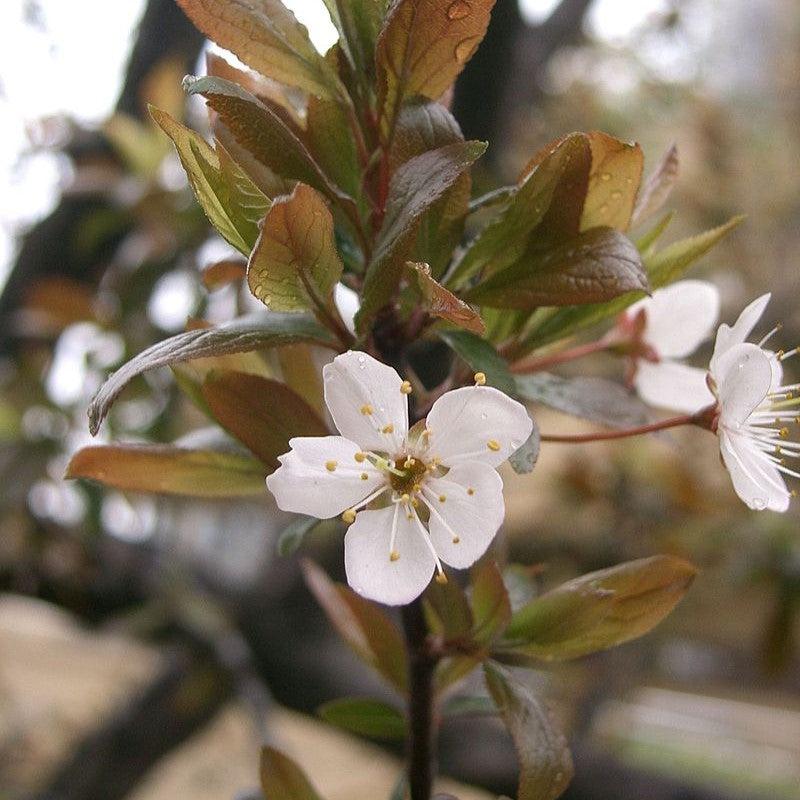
{"points": [[148, 645]]}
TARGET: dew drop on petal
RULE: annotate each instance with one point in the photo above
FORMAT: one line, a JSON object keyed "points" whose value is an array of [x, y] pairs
{"points": [[458, 9], [759, 503]]}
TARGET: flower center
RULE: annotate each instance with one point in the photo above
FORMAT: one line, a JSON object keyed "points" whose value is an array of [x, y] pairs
{"points": [[412, 470]]}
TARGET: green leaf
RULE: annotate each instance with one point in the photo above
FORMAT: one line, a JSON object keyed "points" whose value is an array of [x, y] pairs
{"points": [[293, 535], [448, 612], [490, 603], [520, 583], [230, 200], [550, 196], [422, 125], [373, 637], [267, 37], [613, 182], [544, 758], [414, 188], [294, 265], [365, 717], [646, 243], [481, 356], [358, 23], [469, 706], [251, 332], [282, 779], [597, 611], [169, 469], [262, 414], [595, 399], [524, 458], [656, 189], [422, 49], [442, 303], [662, 268], [599, 264], [264, 134]]}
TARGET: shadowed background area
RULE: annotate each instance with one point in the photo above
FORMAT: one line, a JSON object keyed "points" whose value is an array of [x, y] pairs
{"points": [[149, 645]]}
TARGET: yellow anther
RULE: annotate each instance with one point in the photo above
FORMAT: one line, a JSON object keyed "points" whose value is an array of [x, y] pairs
{"points": [[470, 491], [349, 516], [441, 578], [415, 502], [783, 433], [442, 498], [331, 465], [780, 354], [404, 498], [364, 476], [456, 540], [409, 462], [406, 388], [394, 555], [493, 445], [416, 488], [366, 409], [388, 428], [793, 493], [426, 434], [480, 378], [790, 395], [360, 457], [409, 516]]}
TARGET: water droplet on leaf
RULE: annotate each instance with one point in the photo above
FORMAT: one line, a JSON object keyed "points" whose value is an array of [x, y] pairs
{"points": [[605, 176], [458, 9]]}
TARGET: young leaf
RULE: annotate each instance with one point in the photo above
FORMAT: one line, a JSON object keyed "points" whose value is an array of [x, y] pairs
{"points": [[422, 126], [613, 182], [294, 265], [292, 536], [657, 187], [282, 779], [448, 607], [265, 35], [524, 458], [262, 414], [481, 356], [544, 758], [264, 134], [223, 273], [442, 303], [599, 264], [646, 243], [423, 47], [365, 717], [250, 332], [595, 399], [597, 611], [230, 200], [414, 188], [490, 603], [550, 196], [169, 469], [469, 706], [358, 23], [662, 268], [373, 637]]}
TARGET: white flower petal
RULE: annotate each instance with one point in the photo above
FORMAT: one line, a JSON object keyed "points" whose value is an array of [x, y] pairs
{"points": [[777, 371], [472, 511], [728, 337], [347, 304], [755, 479], [671, 385], [304, 483], [364, 399], [477, 423], [743, 376], [371, 572], [679, 317]]}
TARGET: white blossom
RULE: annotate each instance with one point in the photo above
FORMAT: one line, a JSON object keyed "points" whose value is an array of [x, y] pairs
{"points": [[416, 499], [666, 328], [754, 412]]}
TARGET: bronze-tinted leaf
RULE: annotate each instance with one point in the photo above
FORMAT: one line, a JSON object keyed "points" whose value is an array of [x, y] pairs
{"points": [[544, 758], [282, 779], [358, 23], [294, 265], [230, 200], [263, 133], [442, 303], [169, 469], [262, 414], [223, 273], [656, 189], [595, 266], [423, 47], [491, 606], [373, 637], [251, 332], [266, 36], [447, 609], [414, 188], [422, 125], [597, 611], [613, 182]]}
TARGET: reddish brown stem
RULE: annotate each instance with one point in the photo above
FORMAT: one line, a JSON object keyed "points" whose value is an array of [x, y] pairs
{"points": [[672, 422], [528, 365]]}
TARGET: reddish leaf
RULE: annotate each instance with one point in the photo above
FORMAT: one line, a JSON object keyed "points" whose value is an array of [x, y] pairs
{"points": [[443, 303], [490, 603], [223, 273], [656, 189]]}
